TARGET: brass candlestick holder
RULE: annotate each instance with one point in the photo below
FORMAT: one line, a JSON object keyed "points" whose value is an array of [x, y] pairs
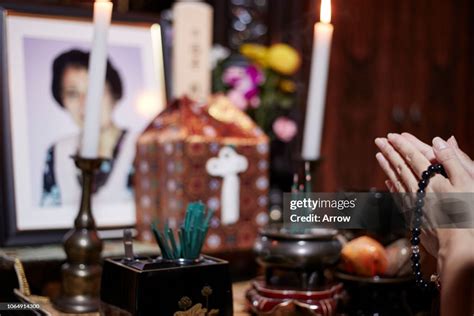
{"points": [[81, 272]]}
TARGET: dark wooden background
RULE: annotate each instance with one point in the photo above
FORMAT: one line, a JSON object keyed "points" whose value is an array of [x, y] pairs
{"points": [[396, 65]]}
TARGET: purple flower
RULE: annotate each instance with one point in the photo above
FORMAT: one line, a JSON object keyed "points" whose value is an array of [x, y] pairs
{"points": [[244, 84], [255, 74]]}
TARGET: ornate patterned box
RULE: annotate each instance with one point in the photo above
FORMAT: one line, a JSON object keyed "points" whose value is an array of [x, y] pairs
{"points": [[209, 152], [153, 286]]}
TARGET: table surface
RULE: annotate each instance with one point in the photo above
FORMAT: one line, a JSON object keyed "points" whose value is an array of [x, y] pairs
{"points": [[238, 291], [50, 253], [56, 252]]}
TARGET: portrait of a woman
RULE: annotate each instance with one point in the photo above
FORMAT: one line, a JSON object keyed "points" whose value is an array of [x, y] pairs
{"points": [[69, 89]]}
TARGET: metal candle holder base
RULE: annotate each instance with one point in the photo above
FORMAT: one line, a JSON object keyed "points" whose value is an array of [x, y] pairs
{"points": [[82, 270]]}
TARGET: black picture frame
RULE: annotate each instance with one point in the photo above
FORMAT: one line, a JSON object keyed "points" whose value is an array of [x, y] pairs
{"points": [[10, 235]]}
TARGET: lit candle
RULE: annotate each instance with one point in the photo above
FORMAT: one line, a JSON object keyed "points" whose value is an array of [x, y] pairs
{"points": [[317, 84], [97, 70]]}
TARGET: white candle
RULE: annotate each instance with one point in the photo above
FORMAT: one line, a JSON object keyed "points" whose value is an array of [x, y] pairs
{"points": [[97, 70], [317, 84]]}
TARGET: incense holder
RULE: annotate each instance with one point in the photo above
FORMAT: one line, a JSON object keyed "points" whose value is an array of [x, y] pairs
{"points": [[296, 261], [295, 280], [154, 286]]}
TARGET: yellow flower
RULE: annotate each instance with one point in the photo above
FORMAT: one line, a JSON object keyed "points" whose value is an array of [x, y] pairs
{"points": [[255, 52], [287, 86], [283, 59]]}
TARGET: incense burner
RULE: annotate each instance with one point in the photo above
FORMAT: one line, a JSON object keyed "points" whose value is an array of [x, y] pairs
{"points": [[295, 282], [155, 286], [296, 260]]}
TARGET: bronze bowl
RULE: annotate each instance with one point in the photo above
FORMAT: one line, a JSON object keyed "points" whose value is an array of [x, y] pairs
{"points": [[296, 260]]}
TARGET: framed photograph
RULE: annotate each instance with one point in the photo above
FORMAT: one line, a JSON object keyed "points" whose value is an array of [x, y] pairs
{"points": [[45, 53]]}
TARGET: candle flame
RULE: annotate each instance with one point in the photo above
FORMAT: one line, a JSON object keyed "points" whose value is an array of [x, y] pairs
{"points": [[325, 12]]}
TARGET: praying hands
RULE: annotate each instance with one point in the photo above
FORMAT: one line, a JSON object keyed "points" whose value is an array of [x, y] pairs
{"points": [[404, 158]]}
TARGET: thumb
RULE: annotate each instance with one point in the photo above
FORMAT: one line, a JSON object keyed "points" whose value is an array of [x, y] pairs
{"points": [[465, 160], [446, 155]]}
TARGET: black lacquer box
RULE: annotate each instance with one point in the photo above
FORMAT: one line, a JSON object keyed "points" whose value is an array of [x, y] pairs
{"points": [[153, 286]]}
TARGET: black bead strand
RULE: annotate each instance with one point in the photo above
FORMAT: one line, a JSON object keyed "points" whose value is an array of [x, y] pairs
{"points": [[417, 220]]}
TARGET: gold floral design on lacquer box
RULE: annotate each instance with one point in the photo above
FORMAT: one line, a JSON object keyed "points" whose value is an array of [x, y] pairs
{"points": [[185, 304]]}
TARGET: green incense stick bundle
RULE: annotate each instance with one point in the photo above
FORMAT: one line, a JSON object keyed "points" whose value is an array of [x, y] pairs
{"points": [[187, 241]]}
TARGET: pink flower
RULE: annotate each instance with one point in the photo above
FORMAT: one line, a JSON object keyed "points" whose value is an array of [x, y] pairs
{"points": [[233, 75], [254, 102], [285, 129], [238, 99]]}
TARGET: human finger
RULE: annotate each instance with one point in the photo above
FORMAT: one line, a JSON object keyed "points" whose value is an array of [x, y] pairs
{"points": [[390, 173], [413, 157], [438, 184], [446, 155], [402, 170], [466, 161], [424, 148], [390, 186]]}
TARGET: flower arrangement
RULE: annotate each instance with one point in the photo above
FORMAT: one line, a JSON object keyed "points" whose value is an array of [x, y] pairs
{"points": [[258, 80]]}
